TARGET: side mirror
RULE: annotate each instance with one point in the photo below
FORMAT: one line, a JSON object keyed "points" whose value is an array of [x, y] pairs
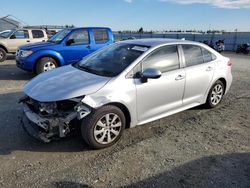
{"points": [[150, 73], [70, 41]]}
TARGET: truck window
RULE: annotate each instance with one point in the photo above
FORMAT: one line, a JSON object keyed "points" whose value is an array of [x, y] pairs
{"points": [[37, 34], [100, 35], [80, 37], [20, 34]]}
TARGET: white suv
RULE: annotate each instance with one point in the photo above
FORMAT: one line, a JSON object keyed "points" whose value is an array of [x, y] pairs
{"points": [[10, 41]]}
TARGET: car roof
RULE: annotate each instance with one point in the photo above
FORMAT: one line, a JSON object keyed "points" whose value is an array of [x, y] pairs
{"points": [[76, 28], [152, 42]]}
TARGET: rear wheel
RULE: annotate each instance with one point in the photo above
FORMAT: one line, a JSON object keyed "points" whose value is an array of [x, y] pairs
{"points": [[45, 64], [103, 127], [3, 55], [215, 94]]}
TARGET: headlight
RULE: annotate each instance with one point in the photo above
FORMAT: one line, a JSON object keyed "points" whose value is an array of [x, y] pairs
{"points": [[25, 53]]}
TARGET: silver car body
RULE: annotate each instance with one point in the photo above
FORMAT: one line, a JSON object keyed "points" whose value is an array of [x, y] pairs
{"points": [[173, 92]]}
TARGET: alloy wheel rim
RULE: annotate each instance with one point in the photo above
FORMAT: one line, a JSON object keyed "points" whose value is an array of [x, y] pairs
{"points": [[107, 128], [49, 66], [1, 55], [217, 94]]}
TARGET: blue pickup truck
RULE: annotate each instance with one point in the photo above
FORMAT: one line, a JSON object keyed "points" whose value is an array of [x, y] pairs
{"points": [[66, 47]]}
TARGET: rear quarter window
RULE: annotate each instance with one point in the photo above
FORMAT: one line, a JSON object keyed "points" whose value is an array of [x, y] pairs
{"points": [[207, 55], [37, 34], [100, 35]]}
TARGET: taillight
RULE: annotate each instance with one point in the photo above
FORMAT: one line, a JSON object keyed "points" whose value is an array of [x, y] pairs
{"points": [[229, 63]]}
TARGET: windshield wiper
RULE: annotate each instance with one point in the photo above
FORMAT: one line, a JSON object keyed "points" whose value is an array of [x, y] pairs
{"points": [[84, 68]]}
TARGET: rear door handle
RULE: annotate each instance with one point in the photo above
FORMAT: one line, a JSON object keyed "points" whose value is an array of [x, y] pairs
{"points": [[209, 68], [179, 77]]}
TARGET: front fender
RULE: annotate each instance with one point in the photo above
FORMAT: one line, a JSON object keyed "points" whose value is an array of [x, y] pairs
{"points": [[48, 53], [2, 45], [114, 93]]}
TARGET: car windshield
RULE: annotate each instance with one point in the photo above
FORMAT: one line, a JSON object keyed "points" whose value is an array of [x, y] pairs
{"points": [[58, 37], [5, 34], [112, 60]]}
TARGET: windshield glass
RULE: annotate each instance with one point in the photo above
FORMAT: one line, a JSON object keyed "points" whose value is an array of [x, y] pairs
{"points": [[112, 60], [5, 34], [58, 37]]}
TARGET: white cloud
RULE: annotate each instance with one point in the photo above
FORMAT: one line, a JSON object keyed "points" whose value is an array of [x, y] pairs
{"points": [[231, 4]]}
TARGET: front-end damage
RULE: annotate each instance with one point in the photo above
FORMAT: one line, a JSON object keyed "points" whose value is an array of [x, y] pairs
{"points": [[48, 121]]}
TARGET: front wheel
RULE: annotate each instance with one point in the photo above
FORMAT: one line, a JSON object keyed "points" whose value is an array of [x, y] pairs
{"points": [[3, 55], [45, 64], [215, 94], [103, 127]]}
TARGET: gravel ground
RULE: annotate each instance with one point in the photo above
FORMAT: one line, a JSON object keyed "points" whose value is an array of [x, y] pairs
{"points": [[195, 148]]}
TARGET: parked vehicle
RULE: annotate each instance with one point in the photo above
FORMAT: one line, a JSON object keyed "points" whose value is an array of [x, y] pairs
{"points": [[4, 33], [123, 85], [243, 48], [9, 41], [220, 46], [66, 47], [210, 44]]}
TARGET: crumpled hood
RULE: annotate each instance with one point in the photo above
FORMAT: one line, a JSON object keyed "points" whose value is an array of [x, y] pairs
{"points": [[63, 83], [35, 45]]}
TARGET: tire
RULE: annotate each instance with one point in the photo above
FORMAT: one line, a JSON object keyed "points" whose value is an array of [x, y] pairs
{"points": [[45, 64], [95, 131], [215, 94], [3, 55]]}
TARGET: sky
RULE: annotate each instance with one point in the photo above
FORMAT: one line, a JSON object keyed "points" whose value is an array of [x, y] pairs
{"points": [[132, 14]]}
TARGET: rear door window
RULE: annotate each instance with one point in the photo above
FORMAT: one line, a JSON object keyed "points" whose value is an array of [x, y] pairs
{"points": [[193, 55], [100, 35], [37, 34]]}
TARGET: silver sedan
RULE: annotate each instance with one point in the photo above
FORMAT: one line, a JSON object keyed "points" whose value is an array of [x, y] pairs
{"points": [[123, 85]]}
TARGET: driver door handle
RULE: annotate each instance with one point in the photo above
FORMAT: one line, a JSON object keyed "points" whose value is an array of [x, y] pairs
{"points": [[179, 77]]}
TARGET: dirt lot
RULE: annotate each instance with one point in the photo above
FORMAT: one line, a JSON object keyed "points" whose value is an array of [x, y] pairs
{"points": [[195, 148]]}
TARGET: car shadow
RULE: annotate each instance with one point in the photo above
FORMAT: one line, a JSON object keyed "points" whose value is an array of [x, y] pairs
{"points": [[9, 71], [228, 170], [11, 57]]}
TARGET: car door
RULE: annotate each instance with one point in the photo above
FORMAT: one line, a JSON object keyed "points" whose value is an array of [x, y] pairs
{"points": [[18, 38], [76, 46], [158, 96], [199, 73]]}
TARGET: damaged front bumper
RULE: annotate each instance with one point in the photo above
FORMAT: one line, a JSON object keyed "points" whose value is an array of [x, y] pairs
{"points": [[51, 127]]}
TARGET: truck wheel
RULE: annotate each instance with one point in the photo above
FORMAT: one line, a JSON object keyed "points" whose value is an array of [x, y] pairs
{"points": [[103, 127], [45, 64], [3, 55]]}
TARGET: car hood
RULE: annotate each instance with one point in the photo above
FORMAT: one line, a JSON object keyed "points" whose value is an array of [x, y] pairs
{"points": [[35, 45], [63, 83]]}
